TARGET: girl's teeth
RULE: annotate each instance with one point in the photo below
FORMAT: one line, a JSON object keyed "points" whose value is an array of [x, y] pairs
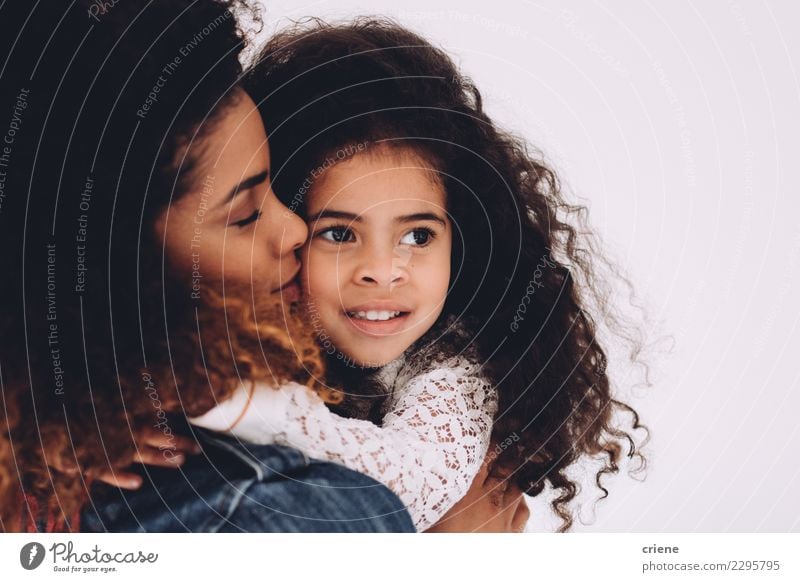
{"points": [[375, 315]]}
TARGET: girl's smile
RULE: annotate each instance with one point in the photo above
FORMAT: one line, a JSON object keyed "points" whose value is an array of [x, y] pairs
{"points": [[379, 318]]}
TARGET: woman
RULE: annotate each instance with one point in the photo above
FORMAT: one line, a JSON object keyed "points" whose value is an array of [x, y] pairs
{"points": [[128, 211]]}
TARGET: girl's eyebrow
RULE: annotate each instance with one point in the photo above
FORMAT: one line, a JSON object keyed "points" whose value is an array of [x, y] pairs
{"points": [[334, 214], [349, 216], [421, 216]]}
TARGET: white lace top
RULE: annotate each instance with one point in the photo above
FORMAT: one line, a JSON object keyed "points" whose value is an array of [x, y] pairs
{"points": [[435, 432]]}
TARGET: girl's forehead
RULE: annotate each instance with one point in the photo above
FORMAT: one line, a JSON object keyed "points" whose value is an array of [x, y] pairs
{"points": [[376, 181]]}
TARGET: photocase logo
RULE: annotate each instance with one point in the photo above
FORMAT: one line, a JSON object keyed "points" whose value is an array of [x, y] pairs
{"points": [[31, 555]]}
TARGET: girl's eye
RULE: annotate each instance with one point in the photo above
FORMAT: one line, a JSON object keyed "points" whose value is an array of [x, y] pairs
{"points": [[245, 221], [419, 237], [337, 234]]}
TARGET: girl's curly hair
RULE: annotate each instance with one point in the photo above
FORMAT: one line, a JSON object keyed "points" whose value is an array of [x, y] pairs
{"points": [[99, 334], [525, 280]]}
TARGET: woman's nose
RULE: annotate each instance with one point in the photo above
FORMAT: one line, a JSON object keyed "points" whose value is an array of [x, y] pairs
{"points": [[290, 231], [383, 268], [295, 233]]}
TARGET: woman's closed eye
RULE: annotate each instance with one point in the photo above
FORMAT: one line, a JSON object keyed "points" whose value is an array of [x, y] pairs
{"points": [[245, 221]]}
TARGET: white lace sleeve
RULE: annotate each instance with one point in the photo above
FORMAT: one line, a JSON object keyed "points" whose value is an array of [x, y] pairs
{"points": [[434, 436]]}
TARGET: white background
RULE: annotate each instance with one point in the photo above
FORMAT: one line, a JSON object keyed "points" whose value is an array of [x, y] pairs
{"points": [[678, 124]]}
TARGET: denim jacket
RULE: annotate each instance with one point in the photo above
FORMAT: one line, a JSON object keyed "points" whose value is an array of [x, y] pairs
{"points": [[237, 487]]}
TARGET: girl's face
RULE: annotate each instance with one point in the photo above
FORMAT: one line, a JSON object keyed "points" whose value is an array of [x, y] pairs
{"points": [[231, 226], [376, 267]]}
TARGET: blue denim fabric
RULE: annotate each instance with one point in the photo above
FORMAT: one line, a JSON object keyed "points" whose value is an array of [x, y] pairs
{"points": [[235, 487]]}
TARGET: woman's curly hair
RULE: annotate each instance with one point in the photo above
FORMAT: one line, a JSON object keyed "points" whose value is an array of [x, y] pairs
{"points": [[99, 334], [525, 280]]}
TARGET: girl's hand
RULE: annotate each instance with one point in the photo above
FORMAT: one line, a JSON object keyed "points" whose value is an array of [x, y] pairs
{"points": [[492, 504], [154, 448]]}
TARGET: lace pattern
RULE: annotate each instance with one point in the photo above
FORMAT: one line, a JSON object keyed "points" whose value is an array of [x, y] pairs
{"points": [[435, 432]]}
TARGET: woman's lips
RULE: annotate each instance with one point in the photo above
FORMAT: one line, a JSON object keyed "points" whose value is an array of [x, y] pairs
{"points": [[290, 292]]}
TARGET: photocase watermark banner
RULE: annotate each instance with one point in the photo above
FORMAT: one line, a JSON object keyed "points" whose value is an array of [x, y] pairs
{"points": [[201, 557]]}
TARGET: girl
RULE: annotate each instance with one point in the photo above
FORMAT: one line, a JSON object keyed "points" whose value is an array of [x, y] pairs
{"points": [[443, 278]]}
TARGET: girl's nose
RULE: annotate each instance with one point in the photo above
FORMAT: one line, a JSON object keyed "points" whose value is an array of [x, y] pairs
{"points": [[385, 268]]}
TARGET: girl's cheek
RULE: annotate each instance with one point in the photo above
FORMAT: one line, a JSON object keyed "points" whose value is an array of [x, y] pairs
{"points": [[318, 277], [306, 282], [436, 283]]}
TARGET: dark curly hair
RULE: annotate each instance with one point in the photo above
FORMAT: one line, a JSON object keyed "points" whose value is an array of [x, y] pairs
{"points": [[525, 281], [95, 328]]}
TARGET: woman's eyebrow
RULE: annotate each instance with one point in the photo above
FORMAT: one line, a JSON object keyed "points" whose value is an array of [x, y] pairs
{"points": [[245, 184]]}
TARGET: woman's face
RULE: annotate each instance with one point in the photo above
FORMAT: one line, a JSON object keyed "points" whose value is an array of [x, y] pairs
{"points": [[230, 227]]}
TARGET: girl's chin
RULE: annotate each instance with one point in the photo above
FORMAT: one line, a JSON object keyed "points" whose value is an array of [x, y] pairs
{"points": [[370, 360]]}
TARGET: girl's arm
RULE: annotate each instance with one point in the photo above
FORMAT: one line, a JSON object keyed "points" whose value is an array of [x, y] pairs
{"points": [[428, 451], [494, 503]]}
